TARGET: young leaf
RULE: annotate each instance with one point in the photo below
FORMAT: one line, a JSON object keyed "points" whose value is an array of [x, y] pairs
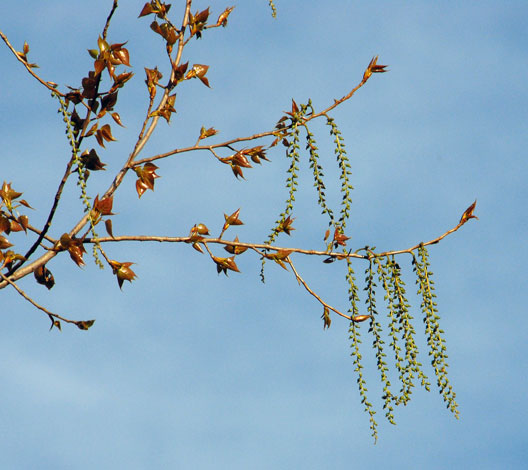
{"points": [[232, 220], [235, 250], [84, 324], [224, 264], [222, 19], [327, 321], [468, 213], [122, 271], [108, 227], [44, 277]]}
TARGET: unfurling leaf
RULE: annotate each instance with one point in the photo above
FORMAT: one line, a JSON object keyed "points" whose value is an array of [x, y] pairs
{"points": [[235, 250], [197, 22], [327, 321], [106, 133], [104, 206], [232, 220], [237, 171], [279, 257], [222, 19], [153, 77], [286, 226], [8, 195], [84, 324], [166, 110], [147, 175], [123, 272], [75, 248], [107, 103], [56, 324], [373, 67], [44, 277], [199, 71], [204, 133], [340, 238], [90, 160], [223, 264], [8, 257], [256, 154], [468, 213]]}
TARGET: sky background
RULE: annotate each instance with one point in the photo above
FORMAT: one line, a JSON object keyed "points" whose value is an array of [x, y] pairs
{"points": [[187, 369]]}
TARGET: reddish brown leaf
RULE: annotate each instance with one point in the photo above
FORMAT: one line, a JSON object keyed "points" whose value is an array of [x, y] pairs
{"points": [[121, 55], [99, 66], [44, 277], [14, 226], [106, 133], [237, 171], [235, 250], [90, 161], [225, 264], [24, 203], [5, 224], [92, 130], [147, 10], [240, 159], [117, 118], [103, 206], [108, 227], [24, 222], [123, 271], [4, 243], [232, 219], [197, 247], [286, 225], [373, 67], [141, 187], [99, 138], [295, 108], [84, 324], [76, 251], [468, 213]]}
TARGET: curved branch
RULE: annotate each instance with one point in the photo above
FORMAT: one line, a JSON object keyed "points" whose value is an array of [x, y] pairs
{"points": [[49, 85], [321, 301]]}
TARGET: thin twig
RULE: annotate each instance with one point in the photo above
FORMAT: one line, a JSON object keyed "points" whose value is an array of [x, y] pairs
{"points": [[48, 85], [321, 301], [35, 304], [107, 24], [338, 255]]}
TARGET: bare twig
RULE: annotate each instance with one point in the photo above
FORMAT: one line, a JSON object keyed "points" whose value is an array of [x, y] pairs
{"points": [[107, 24], [321, 301], [35, 304], [49, 85]]}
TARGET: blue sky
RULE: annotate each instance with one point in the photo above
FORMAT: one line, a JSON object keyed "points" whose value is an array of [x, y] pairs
{"points": [[188, 369]]}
